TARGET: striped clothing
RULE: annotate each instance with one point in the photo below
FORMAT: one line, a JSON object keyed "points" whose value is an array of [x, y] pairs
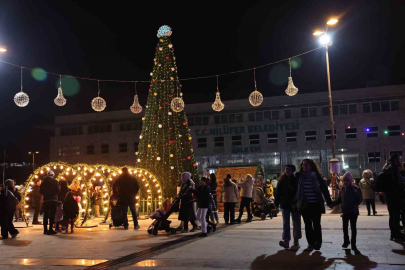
{"points": [[309, 192]]}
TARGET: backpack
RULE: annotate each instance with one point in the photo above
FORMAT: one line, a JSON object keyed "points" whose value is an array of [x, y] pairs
{"points": [[12, 202], [382, 181]]}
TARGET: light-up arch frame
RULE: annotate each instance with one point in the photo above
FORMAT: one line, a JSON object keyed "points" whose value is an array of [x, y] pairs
{"points": [[84, 175]]}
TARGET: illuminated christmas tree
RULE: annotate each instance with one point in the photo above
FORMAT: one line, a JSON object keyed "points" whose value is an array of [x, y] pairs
{"points": [[165, 146]]}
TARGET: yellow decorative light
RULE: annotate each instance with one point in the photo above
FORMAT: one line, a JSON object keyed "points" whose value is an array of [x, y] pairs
{"points": [[120, 172], [91, 170], [61, 167], [84, 202], [78, 168], [149, 146], [68, 169], [36, 176], [171, 155], [218, 105], [42, 171]]}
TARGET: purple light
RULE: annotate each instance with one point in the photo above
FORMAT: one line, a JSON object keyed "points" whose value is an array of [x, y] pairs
{"points": [[367, 129]]}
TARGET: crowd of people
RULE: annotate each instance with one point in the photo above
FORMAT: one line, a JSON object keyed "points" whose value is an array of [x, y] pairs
{"points": [[301, 193]]}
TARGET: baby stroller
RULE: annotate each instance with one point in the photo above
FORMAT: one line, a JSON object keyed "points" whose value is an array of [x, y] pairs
{"points": [[160, 217], [116, 213], [262, 206]]}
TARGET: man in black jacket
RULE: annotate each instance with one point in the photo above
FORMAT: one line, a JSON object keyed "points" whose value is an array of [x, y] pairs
{"points": [[394, 195], [126, 187], [49, 189]]}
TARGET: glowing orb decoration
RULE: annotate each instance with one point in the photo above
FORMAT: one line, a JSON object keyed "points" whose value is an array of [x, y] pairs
{"points": [[255, 98], [218, 105], [136, 107], [177, 104], [21, 99], [160, 126], [158, 158], [169, 113], [291, 89], [164, 31], [170, 45], [98, 104], [60, 100], [172, 167]]}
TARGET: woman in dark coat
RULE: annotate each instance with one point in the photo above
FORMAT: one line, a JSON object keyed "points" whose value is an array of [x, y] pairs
{"points": [[61, 198], [186, 200], [7, 211], [70, 211]]}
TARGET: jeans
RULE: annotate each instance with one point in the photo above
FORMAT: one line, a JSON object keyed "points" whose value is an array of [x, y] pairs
{"points": [[353, 227], [125, 215], [201, 213], [7, 226], [313, 230], [296, 220], [372, 203], [49, 214], [395, 217], [38, 205], [229, 209], [245, 202]]}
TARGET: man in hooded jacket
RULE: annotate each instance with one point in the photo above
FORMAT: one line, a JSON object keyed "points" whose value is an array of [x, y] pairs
{"points": [[49, 189]]}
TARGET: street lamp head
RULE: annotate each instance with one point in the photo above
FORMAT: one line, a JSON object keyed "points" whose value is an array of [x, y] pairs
{"points": [[29, 153], [37, 152], [318, 33], [3, 49], [332, 21], [324, 40]]}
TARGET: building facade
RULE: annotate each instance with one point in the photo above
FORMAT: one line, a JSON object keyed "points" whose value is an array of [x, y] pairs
{"points": [[369, 127]]}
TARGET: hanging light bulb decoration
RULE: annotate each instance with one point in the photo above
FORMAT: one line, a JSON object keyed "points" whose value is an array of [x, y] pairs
{"points": [[291, 89], [21, 99], [98, 104], [60, 100], [136, 107], [177, 104], [255, 98], [218, 105], [164, 31]]}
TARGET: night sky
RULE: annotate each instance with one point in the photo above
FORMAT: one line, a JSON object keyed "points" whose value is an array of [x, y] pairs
{"points": [[117, 40]]}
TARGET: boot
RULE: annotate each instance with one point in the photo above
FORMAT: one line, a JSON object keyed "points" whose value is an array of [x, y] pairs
{"points": [[285, 244], [346, 244]]}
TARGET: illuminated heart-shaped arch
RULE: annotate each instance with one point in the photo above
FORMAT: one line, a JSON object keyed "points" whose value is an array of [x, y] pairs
{"points": [[84, 177]]}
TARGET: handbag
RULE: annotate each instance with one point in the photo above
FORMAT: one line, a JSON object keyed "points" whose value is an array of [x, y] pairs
{"points": [[303, 205]]}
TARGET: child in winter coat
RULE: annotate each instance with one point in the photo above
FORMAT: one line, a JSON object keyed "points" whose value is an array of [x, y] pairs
{"points": [[203, 201], [350, 198], [70, 211]]}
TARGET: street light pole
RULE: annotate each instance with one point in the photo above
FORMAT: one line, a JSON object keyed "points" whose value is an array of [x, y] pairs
{"points": [[33, 159], [332, 124]]}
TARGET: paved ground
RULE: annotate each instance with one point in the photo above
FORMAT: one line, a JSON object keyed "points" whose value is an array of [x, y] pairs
{"points": [[247, 246]]}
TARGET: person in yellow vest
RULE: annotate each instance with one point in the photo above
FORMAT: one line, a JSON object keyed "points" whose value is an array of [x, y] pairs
{"points": [[269, 189]]}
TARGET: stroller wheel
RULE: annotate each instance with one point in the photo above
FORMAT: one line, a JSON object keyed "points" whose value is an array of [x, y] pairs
{"points": [[150, 231], [155, 232], [263, 216], [173, 231], [168, 229], [271, 215]]}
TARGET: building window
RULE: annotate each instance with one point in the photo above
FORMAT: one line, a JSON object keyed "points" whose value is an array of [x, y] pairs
{"points": [[236, 140], [366, 108], [105, 149], [254, 139], [190, 121], [76, 150], [343, 109], [232, 118], [271, 115], [296, 113], [335, 109], [351, 133], [219, 141], [219, 119], [394, 130], [136, 147], [123, 147], [67, 131], [372, 132], [62, 151], [304, 112], [394, 105], [352, 108], [259, 116], [272, 138], [202, 142], [239, 118], [90, 149], [396, 152], [310, 136], [374, 157], [99, 128], [376, 106], [385, 106], [328, 135], [291, 136], [325, 111], [312, 112], [129, 126], [287, 114]]}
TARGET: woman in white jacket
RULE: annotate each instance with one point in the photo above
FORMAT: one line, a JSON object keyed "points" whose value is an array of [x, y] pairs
{"points": [[230, 194], [246, 195]]}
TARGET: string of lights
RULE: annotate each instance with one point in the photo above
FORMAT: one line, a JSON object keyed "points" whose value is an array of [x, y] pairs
{"points": [[185, 79]]}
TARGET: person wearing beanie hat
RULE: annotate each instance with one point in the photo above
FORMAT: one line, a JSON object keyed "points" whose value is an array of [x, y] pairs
{"points": [[49, 189], [350, 197]]}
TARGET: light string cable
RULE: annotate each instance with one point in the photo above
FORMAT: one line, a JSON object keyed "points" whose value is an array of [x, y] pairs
{"points": [[21, 79], [289, 62], [254, 77], [185, 79]]}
